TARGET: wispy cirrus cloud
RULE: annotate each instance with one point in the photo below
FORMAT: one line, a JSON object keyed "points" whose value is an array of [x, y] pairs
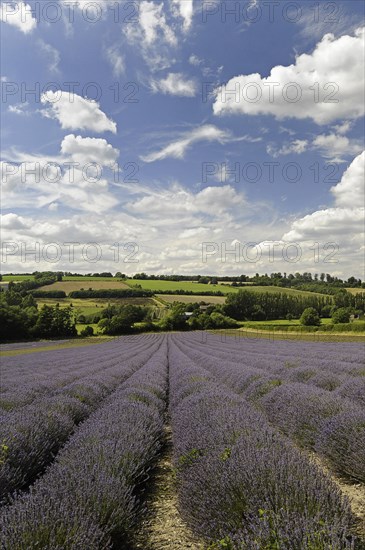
{"points": [[176, 84], [116, 60], [298, 146], [160, 28], [52, 55], [185, 9], [208, 132], [335, 146]]}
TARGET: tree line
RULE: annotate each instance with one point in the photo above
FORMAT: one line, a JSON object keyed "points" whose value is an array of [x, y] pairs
{"points": [[261, 306], [20, 318]]}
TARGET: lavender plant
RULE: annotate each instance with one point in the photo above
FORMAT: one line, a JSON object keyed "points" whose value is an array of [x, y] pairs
{"points": [[89, 491], [241, 484]]}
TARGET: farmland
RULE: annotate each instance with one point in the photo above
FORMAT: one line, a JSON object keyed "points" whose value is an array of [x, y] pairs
{"points": [[17, 278], [89, 307], [94, 305], [171, 298], [241, 444], [161, 286], [95, 284], [70, 278], [170, 286]]}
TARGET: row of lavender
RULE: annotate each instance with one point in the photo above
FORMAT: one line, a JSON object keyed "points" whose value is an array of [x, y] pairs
{"points": [[27, 377], [297, 362], [338, 367], [88, 497], [241, 484], [31, 435], [318, 419]]}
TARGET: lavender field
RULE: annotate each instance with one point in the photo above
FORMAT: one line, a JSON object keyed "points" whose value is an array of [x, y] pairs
{"points": [[267, 444]]}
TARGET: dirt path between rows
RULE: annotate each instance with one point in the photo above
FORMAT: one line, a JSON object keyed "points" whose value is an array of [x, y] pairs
{"points": [[162, 528], [355, 492]]}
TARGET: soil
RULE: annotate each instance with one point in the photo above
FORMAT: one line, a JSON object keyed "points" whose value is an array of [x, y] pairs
{"points": [[162, 527], [355, 492]]}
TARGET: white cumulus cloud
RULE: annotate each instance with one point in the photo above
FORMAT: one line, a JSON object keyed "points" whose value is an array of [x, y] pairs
{"points": [[18, 14], [350, 191], [77, 113], [325, 85], [341, 225], [87, 150]]}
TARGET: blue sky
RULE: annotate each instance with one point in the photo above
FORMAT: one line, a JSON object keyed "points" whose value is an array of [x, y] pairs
{"points": [[134, 135]]}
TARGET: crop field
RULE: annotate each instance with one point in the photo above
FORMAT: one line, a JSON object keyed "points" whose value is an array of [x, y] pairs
{"points": [[161, 286], [94, 284], [272, 289], [185, 440], [157, 286], [17, 278], [171, 298], [356, 290]]}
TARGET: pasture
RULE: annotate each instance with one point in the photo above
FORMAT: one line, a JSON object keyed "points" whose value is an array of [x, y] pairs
{"points": [[17, 278], [95, 306], [70, 283], [161, 286]]}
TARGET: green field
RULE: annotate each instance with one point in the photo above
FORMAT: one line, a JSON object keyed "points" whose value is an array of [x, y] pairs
{"points": [[281, 323], [279, 289], [8, 278], [160, 286], [295, 326], [91, 306], [179, 285], [79, 328], [89, 278]]}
